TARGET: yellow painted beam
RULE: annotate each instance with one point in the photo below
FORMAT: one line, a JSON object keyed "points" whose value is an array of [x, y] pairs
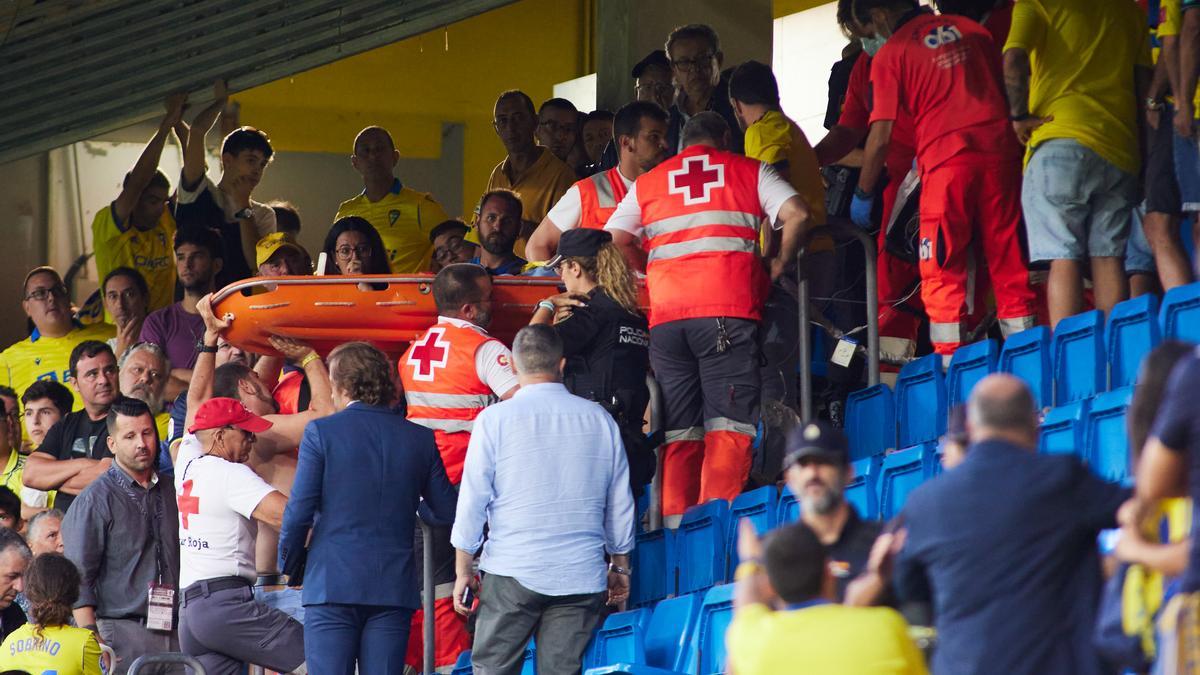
{"points": [[786, 7]]}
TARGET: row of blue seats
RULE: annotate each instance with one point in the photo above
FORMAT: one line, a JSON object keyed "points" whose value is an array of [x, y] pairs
{"points": [[1084, 357], [684, 634]]}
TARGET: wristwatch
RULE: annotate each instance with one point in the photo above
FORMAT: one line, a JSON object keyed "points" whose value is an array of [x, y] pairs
{"points": [[244, 214], [202, 348], [617, 569]]}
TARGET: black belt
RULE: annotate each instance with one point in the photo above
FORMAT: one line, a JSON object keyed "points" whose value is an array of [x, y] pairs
{"points": [[210, 586]]}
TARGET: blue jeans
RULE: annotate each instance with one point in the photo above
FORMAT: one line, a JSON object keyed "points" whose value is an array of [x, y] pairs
{"points": [[286, 600], [1187, 172]]}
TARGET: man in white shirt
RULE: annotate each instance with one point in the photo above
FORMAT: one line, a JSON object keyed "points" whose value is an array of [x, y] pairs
{"points": [[221, 503], [546, 473], [640, 129]]}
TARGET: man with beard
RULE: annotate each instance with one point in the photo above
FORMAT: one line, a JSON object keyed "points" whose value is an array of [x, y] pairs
{"points": [[142, 372], [817, 468], [123, 536], [640, 129], [449, 375], [14, 559], [177, 327], [695, 55], [498, 223], [75, 451]]}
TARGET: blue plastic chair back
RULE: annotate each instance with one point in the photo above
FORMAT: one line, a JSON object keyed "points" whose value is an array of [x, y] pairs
{"points": [[902, 471], [701, 546], [1063, 430], [1107, 439], [654, 565], [1180, 313], [620, 640], [1027, 356], [921, 401], [970, 364], [789, 508], [707, 653], [761, 506], [463, 665], [529, 663], [862, 492], [1080, 365], [670, 631], [871, 421], [1133, 331]]}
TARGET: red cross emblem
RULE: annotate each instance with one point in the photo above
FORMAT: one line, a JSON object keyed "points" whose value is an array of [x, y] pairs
{"points": [[696, 179], [429, 354], [188, 505]]}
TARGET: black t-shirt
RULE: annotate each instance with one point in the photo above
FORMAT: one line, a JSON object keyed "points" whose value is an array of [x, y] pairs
{"points": [[849, 554], [76, 436], [608, 354], [1178, 427]]}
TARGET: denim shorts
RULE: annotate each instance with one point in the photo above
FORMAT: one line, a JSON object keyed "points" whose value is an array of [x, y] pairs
{"points": [[1076, 203], [1139, 259], [1187, 172]]}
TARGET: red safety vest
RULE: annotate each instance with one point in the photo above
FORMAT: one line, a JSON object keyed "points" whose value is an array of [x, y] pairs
{"points": [[443, 389], [701, 213], [599, 195]]}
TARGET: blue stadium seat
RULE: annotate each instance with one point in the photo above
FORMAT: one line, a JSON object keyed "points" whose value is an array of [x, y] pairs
{"points": [[1080, 366], [1107, 439], [789, 508], [761, 506], [902, 471], [861, 492], [654, 565], [1179, 317], [921, 401], [463, 665], [970, 364], [1064, 430], [706, 654], [1133, 331], [1027, 356], [666, 640], [529, 663], [620, 640], [871, 421], [700, 544]]}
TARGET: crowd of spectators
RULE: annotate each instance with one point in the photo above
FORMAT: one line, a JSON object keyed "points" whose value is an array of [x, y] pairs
{"points": [[185, 495]]}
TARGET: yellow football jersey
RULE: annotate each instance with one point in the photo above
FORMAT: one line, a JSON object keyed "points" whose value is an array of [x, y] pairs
{"points": [[62, 650], [44, 358], [152, 253], [403, 218]]}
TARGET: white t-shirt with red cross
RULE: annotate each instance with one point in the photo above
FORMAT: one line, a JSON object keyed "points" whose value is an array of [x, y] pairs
{"points": [[216, 531]]}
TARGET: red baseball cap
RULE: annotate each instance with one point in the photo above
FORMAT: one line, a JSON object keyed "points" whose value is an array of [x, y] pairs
{"points": [[227, 412]]}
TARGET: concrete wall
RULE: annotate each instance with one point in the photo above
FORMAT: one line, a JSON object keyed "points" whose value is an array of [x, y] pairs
{"points": [[23, 198]]}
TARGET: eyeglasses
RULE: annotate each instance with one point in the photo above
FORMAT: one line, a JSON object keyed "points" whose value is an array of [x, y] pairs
{"points": [[556, 128], [344, 252], [43, 294], [702, 62], [452, 247]]}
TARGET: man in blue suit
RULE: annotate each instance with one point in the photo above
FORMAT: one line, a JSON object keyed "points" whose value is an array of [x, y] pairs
{"points": [[1004, 545], [361, 475]]}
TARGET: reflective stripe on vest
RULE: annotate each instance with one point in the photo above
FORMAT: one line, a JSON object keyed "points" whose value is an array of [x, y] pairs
{"points": [[599, 195], [448, 426], [702, 245], [705, 219], [425, 399]]}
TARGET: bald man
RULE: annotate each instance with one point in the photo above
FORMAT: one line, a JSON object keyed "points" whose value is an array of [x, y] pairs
{"points": [[1008, 540], [403, 217]]}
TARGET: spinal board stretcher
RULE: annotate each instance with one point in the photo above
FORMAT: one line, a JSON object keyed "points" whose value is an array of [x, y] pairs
{"points": [[326, 311]]}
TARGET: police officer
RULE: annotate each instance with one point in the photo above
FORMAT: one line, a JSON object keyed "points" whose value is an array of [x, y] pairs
{"points": [[606, 338]]}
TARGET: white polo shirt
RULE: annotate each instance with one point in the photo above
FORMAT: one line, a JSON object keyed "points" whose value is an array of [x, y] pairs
{"points": [[216, 498]]}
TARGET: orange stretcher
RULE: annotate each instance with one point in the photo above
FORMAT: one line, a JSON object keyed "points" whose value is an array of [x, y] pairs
{"points": [[330, 310]]}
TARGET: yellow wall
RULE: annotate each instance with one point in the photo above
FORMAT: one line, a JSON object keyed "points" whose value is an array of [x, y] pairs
{"points": [[413, 86], [785, 7]]}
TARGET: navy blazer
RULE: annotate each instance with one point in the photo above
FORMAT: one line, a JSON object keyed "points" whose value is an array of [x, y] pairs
{"points": [[361, 475], [1004, 545]]}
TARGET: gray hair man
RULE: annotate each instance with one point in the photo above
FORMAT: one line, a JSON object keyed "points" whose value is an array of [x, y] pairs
{"points": [[14, 558], [44, 532], [143, 371], [546, 574]]}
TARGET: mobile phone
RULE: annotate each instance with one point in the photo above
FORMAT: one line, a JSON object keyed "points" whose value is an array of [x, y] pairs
{"points": [[468, 598]]}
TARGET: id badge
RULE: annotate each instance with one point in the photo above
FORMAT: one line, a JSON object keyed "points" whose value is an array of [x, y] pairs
{"points": [[161, 610], [843, 354]]}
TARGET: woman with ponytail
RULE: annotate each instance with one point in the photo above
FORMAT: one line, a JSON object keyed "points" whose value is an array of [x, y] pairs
{"points": [[47, 643], [606, 339]]}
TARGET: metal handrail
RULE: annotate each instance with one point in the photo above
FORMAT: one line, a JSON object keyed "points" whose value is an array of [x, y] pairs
{"points": [[845, 231], [169, 658], [657, 423], [427, 600]]}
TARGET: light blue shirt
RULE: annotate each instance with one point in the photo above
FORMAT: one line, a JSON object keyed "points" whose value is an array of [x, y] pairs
{"points": [[546, 471]]}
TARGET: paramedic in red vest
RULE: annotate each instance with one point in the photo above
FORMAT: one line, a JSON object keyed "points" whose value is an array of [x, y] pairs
{"points": [[640, 129], [450, 374], [695, 219], [944, 71]]}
